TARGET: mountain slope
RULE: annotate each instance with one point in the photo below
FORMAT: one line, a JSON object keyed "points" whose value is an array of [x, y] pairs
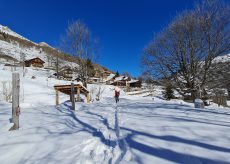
{"points": [[15, 45], [7, 30]]}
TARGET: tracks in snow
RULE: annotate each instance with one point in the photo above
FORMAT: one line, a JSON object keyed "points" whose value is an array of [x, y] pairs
{"points": [[104, 126], [123, 146], [109, 127]]}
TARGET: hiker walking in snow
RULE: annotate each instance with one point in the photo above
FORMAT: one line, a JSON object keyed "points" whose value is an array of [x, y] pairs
{"points": [[117, 94]]}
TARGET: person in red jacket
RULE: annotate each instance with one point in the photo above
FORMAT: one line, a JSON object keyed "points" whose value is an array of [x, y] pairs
{"points": [[117, 94]]}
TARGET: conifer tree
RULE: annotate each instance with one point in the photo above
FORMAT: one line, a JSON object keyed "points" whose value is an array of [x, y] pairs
{"points": [[117, 74], [168, 94], [90, 68]]}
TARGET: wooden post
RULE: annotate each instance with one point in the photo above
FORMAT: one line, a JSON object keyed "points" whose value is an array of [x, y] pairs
{"points": [[88, 97], [78, 94], [72, 96], [15, 100], [57, 97]]}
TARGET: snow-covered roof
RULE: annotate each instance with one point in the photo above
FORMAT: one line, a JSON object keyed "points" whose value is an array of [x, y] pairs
{"points": [[94, 78], [133, 81], [37, 58], [119, 78], [109, 77], [198, 101], [126, 78]]}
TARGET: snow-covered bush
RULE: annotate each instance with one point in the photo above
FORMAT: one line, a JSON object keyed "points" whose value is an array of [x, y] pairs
{"points": [[92, 91], [96, 91], [7, 91]]}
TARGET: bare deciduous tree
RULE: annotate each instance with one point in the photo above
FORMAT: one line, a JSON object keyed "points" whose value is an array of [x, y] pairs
{"points": [[79, 43], [126, 74], [22, 60], [49, 60], [184, 51]]}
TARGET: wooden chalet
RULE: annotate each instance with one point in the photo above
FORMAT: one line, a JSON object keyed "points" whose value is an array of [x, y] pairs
{"points": [[110, 79], [134, 83], [66, 73], [121, 81], [94, 80], [35, 62], [124, 81], [106, 74]]}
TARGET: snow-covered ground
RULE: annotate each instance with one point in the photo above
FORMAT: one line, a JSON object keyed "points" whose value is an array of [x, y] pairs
{"points": [[136, 130]]}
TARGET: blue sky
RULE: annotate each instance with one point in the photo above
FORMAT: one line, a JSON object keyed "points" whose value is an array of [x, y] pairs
{"points": [[123, 27]]}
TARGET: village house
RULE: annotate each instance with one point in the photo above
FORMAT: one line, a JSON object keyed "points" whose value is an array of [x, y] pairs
{"points": [[66, 73], [121, 81], [35, 62], [110, 79], [95, 80], [106, 74], [134, 83]]}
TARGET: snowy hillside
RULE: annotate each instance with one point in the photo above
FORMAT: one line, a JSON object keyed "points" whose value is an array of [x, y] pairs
{"points": [[136, 130], [14, 50], [223, 59], [17, 48], [7, 30]]}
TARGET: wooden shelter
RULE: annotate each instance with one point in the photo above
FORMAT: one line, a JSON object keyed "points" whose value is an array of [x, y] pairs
{"points": [[35, 62], [66, 89]]}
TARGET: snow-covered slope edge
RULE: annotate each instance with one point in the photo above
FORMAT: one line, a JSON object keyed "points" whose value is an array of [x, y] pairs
{"points": [[7, 30], [223, 59]]}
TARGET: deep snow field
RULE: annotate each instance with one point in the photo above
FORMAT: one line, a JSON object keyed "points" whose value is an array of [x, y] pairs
{"points": [[136, 130]]}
